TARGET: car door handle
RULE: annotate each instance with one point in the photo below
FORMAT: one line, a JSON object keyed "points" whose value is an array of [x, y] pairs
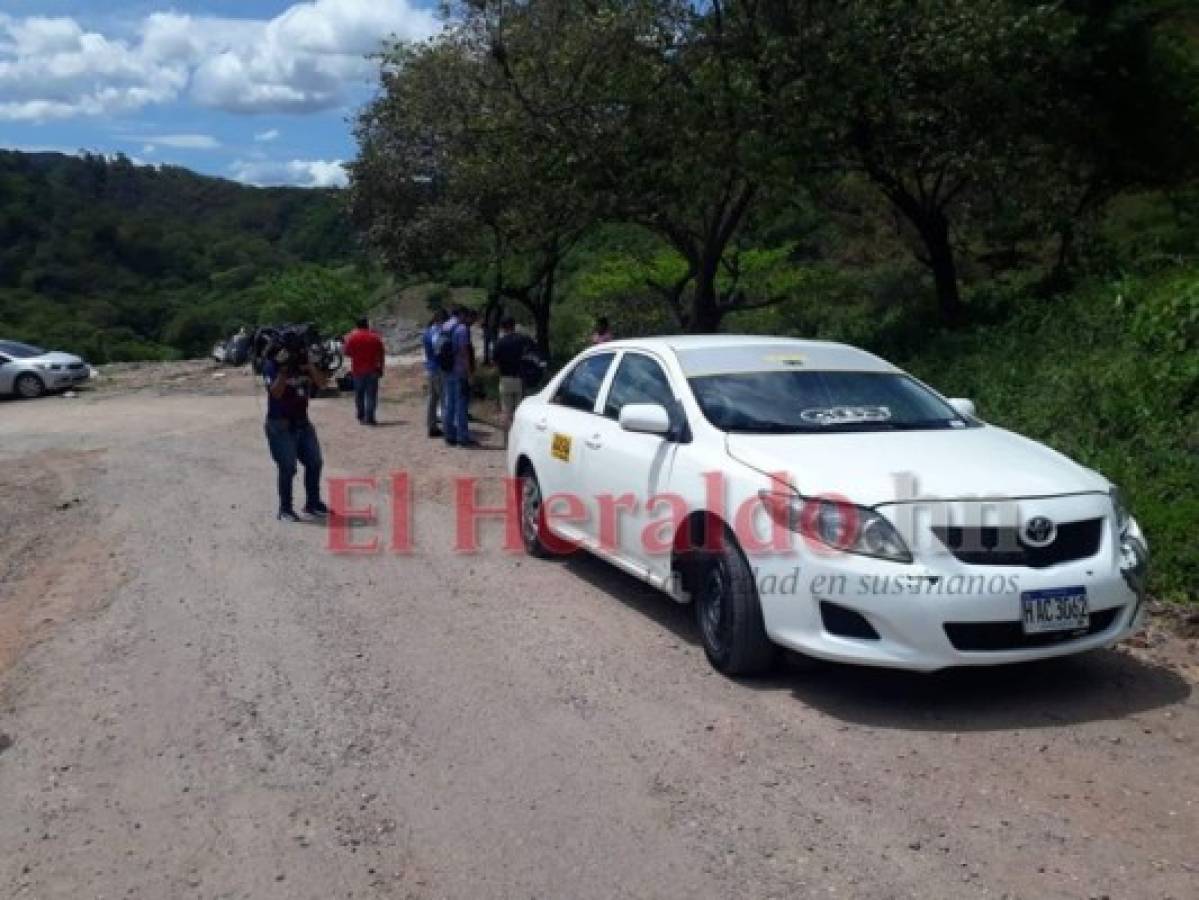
{"points": [[594, 442], [540, 425]]}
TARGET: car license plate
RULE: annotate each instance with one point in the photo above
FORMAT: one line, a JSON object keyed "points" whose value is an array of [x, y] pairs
{"points": [[1058, 609]]}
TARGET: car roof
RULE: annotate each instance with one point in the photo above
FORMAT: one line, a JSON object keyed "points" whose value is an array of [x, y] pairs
{"points": [[706, 354]]}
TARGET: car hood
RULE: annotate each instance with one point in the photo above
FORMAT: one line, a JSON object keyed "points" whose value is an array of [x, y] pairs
{"points": [[56, 356], [869, 468]]}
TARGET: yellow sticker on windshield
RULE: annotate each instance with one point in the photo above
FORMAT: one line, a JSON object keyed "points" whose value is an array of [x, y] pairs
{"points": [[560, 447]]}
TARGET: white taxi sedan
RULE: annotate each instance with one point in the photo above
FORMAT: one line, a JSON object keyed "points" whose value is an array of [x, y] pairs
{"points": [[812, 496]]}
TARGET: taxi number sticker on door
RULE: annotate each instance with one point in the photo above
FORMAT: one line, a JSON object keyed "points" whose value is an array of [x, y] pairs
{"points": [[560, 447]]}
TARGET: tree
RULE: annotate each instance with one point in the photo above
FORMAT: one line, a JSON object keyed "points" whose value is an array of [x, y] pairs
{"points": [[668, 118], [1131, 72], [939, 103], [449, 165]]}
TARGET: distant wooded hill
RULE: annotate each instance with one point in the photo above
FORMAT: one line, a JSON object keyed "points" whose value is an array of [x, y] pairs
{"points": [[120, 261]]}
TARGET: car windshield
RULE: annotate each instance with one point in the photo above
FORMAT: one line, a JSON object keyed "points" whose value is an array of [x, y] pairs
{"points": [[20, 351], [785, 402]]}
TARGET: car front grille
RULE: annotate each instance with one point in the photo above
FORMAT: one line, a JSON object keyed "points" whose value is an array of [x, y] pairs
{"points": [[1003, 546], [994, 636], [75, 366]]}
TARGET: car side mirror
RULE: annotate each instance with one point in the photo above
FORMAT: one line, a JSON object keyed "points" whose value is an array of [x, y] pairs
{"points": [[963, 407], [645, 418]]}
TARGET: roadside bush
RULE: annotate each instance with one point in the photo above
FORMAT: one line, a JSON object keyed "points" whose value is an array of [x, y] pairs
{"points": [[1107, 375]]}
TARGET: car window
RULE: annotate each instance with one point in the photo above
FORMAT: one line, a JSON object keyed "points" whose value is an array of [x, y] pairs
{"points": [[581, 387], [19, 350], [638, 379], [793, 402]]}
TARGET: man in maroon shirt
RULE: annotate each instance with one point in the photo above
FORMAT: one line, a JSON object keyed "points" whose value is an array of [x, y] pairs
{"points": [[365, 349]]}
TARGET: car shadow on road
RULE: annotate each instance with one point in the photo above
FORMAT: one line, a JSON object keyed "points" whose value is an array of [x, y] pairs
{"points": [[1103, 684], [1096, 686]]}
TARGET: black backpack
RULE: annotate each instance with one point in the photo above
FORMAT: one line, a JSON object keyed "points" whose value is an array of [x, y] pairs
{"points": [[443, 349]]}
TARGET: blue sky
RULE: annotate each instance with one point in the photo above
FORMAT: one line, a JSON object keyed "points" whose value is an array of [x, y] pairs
{"points": [[261, 91]]}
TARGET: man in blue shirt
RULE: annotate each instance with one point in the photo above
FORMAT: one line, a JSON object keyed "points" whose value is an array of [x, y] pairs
{"points": [[290, 379], [433, 410], [457, 380]]}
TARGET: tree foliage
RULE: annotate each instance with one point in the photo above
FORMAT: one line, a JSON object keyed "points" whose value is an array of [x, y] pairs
{"points": [[118, 261], [978, 122]]}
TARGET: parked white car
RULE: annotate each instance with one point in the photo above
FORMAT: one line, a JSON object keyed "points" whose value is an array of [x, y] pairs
{"points": [[812, 496], [29, 371]]}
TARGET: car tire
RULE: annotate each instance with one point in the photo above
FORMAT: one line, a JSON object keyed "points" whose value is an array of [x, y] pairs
{"points": [[728, 612], [532, 513], [29, 386]]}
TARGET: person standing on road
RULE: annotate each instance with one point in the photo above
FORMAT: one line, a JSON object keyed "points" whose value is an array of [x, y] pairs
{"points": [[458, 378], [509, 355], [365, 349], [435, 407], [291, 378]]}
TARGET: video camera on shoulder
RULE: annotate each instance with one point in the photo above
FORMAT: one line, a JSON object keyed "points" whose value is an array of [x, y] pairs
{"points": [[292, 347]]}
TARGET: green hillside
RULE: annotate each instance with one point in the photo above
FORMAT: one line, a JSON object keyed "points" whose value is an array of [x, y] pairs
{"points": [[116, 261]]}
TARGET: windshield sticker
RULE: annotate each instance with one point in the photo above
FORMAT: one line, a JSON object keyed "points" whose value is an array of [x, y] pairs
{"points": [[793, 359], [845, 415]]}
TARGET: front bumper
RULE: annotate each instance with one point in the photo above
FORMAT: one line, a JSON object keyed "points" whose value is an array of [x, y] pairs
{"points": [[66, 378], [910, 617], [906, 608]]}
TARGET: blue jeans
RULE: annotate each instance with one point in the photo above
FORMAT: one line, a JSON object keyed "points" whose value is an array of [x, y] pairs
{"points": [[291, 441], [435, 408], [366, 396], [457, 408]]}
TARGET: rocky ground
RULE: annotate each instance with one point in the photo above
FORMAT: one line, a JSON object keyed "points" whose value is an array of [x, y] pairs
{"points": [[198, 701]]}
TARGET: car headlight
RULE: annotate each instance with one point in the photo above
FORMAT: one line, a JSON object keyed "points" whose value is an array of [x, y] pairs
{"points": [[1123, 517], [838, 524], [1134, 550]]}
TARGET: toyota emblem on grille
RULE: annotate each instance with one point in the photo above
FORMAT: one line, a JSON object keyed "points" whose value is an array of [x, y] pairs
{"points": [[1039, 531]]}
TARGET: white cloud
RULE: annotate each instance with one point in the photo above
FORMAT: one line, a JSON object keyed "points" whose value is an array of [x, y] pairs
{"points": [[313, 173], [53, 69], [264, 137], [186, 141], [300, 61]]}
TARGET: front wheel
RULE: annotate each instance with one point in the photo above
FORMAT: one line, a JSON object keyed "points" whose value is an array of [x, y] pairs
{"points": [[532, 514], [729, 613], [30, 386]]}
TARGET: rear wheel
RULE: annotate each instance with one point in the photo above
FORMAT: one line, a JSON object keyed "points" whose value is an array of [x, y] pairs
{"points": [[532, 513], [29, 386], [729, 613]]}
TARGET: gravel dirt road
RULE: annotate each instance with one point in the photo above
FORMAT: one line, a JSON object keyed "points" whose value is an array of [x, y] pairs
{"points": [[197, 701]]}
